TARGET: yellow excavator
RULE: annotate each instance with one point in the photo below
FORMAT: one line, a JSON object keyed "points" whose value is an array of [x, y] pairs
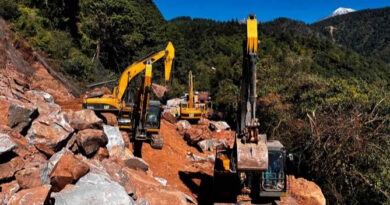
{"points": [[254, 167], [132, 107], [188, 110]]}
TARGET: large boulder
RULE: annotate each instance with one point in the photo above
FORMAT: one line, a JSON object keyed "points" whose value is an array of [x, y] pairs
{"points": [[48, 167], [67, 170], [165, 197], [109, 118], [50, 131], [7, 191], [33, 196], [305, 192], [213, 144], [16, 114], [6, 144], [168, 116], [114, 136], [183, 125], [8, 169], [219, 125], [29, 177], [137, 164], [84, 119], [101, 154], [196, 134], [117, 174], [122, 153], [94, 189], [90, 140]]}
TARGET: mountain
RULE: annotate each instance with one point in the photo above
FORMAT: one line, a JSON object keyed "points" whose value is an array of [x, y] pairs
{"points": [[366, 31], [339, 11]]}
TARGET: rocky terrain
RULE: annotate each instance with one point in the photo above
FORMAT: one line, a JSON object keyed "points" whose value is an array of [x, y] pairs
{"points": [[52, 152]]}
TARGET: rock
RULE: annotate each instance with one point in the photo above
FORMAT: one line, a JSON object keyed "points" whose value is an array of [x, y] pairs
{"points": [[101, 154], [6, 144], [67, 170], [183, 125], [194, 135], [84, 119], [121, 153], [227, 135], [137, 164], [114, 136], [212, 144], [44, 148], [305, 192], [204, 121], [95, 189], [46, 170], [90, 140], [159, 90], [16, 114], [161, 180], [33, 196], [50, 131], [117, 174], [34, 95], [109, 119], [143, 201], [168, 116], [189, 198], [23, 147], [126, 138], [219, 125], [8, 169], [288, 200], [7, 191], [29, 177]]}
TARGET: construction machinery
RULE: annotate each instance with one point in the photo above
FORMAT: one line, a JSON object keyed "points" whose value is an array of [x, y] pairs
{"points": [[130, 103], [188, 110], [254, 167]]}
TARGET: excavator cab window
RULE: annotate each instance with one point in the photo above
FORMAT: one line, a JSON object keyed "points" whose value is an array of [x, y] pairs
{"points": [[184, 105], [153, 117], [274, 178]]}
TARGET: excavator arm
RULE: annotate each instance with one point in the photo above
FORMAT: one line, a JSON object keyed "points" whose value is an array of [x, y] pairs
{"points": [[139, 66]]}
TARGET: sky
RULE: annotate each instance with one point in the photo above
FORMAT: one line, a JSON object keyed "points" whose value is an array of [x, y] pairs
{"points": [[307, 11]]}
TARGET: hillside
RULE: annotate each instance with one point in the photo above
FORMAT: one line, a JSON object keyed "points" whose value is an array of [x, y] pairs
{"points": [[325, 99], [366, 32]]}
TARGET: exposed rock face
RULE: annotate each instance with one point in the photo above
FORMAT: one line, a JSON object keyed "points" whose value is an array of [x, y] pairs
{"points": [[114, 136], [67, 170], [8, 169], [49, 130], [90, 140], [305, 192], [6, 144], [95, 189], [33, 196], [84, 119], [117, 174]]}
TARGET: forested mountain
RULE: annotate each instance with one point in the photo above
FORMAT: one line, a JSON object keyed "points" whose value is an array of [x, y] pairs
{"points": [[366, 32], [326, 101]]}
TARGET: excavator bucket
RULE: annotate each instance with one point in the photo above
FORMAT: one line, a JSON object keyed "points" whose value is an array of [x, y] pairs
{"points": [[252, 156]]}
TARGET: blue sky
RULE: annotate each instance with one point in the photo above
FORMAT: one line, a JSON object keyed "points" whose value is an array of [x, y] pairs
{"points": [[222, 10]]}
